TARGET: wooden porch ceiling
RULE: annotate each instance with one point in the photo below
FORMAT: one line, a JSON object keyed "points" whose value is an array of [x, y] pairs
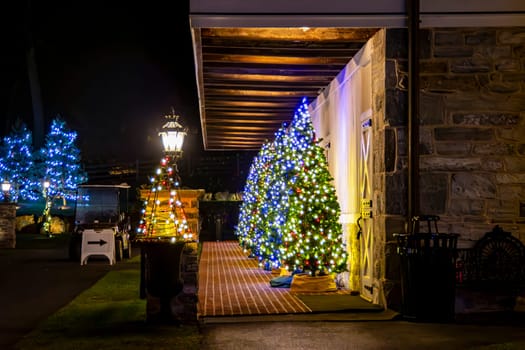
{"points": [[251, 80]]}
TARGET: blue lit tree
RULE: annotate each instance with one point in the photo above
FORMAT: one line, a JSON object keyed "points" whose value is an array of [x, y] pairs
{"points": [[16, 164], [251, 215], [59, 164], [249, 205], [275, 203], [61, 161]]}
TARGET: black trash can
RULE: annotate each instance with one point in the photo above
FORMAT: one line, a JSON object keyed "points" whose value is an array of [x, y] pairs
{"points": [[428, 275], [160, 272]]}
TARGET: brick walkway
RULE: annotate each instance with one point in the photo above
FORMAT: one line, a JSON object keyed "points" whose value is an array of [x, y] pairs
{"points": [[232, 284]]}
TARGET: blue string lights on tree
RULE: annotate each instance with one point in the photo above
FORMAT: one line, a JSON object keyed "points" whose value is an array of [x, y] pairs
{"points": [[61, 161], [291, 218], [274, 204], [61, 167], [17, 166]]}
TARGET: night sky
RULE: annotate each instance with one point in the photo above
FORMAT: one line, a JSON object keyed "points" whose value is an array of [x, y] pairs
{"points": [[110, 69]]}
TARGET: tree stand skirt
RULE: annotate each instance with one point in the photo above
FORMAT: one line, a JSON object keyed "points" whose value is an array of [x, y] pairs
{"points": [[308, 284]]}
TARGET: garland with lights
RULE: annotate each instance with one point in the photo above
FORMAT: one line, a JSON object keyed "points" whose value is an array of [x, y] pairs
{"points": [[163, 214]]}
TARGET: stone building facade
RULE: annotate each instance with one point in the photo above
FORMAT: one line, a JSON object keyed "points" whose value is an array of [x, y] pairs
{"points": [[472, 134]]}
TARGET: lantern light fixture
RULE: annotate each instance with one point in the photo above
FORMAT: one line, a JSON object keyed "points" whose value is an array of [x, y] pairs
{"points": [[173, 135]]}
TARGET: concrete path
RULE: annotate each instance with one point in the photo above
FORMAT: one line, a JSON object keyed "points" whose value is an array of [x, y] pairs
{"points": [[372, 335]]}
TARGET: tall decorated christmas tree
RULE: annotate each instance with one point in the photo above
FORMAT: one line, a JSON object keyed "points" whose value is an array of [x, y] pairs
{"points": [[62, 161], [244, 229], [275, 197], [252, 213], [16, 164], [60, 167], [312, 234]]}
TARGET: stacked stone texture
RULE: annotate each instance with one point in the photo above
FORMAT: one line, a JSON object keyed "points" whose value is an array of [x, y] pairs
{"points": [[472, 128], [7, 225]]}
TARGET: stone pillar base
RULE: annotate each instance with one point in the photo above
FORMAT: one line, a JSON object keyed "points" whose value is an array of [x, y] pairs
{"points": [[7, 225]]}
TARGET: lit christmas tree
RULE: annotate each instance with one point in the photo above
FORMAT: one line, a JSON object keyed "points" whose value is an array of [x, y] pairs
{"points": [[251, 215], [275, 203], [163, 214], [62, 161], [244, 227], [312, 233], [60, 167], [16, 164]]}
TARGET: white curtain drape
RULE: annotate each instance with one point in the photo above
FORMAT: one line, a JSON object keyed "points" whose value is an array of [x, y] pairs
{"points": [[336, 115]]}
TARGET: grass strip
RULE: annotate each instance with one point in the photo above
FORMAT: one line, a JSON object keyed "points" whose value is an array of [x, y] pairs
{"points": [[110, 315]]}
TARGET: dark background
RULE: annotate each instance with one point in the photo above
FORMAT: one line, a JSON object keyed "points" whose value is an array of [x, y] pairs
{"points": [[112, 70]]}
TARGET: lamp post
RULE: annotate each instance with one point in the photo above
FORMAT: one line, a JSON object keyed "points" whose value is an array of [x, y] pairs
{"points": [[6, 187], [163, 228]]}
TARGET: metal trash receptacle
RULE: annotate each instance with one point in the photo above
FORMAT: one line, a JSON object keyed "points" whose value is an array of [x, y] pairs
{"points": [[428, 274]]}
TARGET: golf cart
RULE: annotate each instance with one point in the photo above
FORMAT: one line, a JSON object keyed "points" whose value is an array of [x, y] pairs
{"points": [[104, 209]]}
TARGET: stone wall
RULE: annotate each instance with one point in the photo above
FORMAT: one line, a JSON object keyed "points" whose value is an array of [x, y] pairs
{"points": [[7, 225], [390, 152], [184, 305], [472, 134]]}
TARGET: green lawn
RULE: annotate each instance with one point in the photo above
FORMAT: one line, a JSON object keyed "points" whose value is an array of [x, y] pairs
{"points": [[110, 315]]}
